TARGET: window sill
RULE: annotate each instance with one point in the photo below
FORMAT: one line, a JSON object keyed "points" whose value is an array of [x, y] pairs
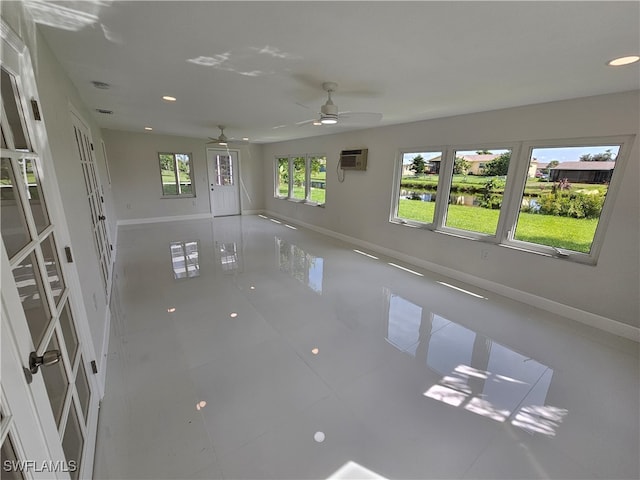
{"points": [[574, 257], [302, 201]]}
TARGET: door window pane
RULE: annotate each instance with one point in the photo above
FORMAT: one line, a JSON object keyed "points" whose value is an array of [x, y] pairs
{"points": [[13, 111], [32, 298], [224, 170], [318, 179], [72, 443], [299, 172], [418, 185], [69, 332], [564, 195], [52, 265], [12, 219], [477, 190], [55, 379], [82, 387], [34, 194], [9, 458]]}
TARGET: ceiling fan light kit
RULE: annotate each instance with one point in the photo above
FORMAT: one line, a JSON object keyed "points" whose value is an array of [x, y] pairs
{"points": [[329, 114]]}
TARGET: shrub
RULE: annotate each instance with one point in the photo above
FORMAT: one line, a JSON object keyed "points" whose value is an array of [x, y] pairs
{"points": [[578, 205]]}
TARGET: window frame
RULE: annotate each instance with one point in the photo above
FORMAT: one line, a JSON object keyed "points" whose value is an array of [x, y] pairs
{"points": [[395, 193], [514, 189], [307, 183], [177, 175], [624, 141]]}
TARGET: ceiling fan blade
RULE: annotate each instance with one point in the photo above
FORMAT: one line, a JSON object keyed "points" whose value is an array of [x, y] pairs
{"points": [[306, 122]]}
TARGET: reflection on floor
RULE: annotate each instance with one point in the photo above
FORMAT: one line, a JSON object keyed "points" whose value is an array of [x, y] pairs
{"points": [[232, 359]]}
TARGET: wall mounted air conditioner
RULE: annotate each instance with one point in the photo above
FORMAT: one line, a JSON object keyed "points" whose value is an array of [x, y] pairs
{"points": [[354, 159]]}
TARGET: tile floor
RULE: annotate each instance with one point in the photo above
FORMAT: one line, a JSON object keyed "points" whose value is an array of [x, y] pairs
{"points": [[242, 348]]}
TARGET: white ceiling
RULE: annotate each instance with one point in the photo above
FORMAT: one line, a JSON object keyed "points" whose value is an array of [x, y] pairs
{"points": [[260, 65]]}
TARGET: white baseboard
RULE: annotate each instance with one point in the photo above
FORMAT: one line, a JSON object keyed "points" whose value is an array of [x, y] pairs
{"points": [[139, 221], [587, 318]]}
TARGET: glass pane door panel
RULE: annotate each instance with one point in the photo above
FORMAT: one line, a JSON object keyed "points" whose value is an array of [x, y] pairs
{"points": [[72, 443], [14, 225], [224, 170], [9, 459], [10, 102], [34, 194], [69, 332], [55, 379], [32, 297], [82, 387], [52, 265]]}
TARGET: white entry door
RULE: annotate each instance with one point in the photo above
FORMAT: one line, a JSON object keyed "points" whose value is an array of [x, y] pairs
{"points": [[48, 415], [224, 188]]}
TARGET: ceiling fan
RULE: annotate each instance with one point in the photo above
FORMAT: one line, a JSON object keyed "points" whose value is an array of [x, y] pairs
{"points": [[222, 139], [329, 114]]}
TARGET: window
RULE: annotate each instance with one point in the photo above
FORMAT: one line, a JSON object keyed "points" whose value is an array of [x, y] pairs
{"points": [[282, 177], [176, 171], [317, 179], [419, 175], [299, 190], [564, 195], [302, 178], [476, 190], [548, 197]]}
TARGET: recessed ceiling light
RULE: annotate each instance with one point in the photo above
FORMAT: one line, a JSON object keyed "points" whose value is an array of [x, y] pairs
{"points": [[171, 309], [246, 139], [233, 315], [619, 62], [148, 128], [169, 98]]}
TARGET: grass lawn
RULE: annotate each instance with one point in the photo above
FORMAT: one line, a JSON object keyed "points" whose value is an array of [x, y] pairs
{"points": [[318, 195], [562, 232]]}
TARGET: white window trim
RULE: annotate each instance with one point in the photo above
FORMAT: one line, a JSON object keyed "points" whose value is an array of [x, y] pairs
{"points": [[514, 188]]}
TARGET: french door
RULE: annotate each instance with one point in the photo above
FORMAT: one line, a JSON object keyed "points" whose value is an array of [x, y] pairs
{"points": [[95, 198], [224, 188], [48, 414]]}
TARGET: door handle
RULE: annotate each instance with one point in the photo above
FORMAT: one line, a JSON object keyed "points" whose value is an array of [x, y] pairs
{"points": [[50, 357], [102, 217]]}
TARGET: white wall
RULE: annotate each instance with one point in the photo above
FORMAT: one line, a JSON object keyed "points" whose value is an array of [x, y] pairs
{"points": [[135, 174], [57, 94], [359, 208]]}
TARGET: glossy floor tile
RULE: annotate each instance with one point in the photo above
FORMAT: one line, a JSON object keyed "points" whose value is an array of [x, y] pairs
{"points": [[242, 348]]}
